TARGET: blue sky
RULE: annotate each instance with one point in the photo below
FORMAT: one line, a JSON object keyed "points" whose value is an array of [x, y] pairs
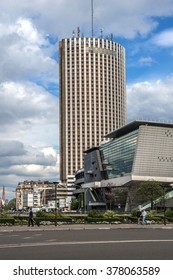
{"points": [[29, 71]]}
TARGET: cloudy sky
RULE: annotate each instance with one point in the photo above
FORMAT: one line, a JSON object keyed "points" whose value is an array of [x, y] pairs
{"points": [[29, 36]]}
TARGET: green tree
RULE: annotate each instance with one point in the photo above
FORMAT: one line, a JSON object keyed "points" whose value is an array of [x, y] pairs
{"points": [[149, 191], [115, 196], [11, 204], [121, 196], [74, 204], [110, 198]]}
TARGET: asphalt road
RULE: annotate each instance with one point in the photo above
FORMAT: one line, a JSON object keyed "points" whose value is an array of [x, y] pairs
{"points": [[95, 244]]}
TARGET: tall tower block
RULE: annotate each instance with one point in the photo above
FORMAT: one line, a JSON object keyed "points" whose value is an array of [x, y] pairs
{"points": [[92, 96]]}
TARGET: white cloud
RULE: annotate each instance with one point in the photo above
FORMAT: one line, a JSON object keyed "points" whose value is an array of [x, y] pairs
{"points": [[146, 61], [25, 29], [131, 18], [124, 18], [28, 132], [150, 100], [49, 151], [27, 163], [11, 148], [26, 155], [26, 103], [29, 170], [28, 112], [25, 53], [164, 38]]}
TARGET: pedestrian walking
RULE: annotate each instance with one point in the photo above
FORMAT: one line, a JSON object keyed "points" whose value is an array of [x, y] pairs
{"points": [[144, 214], [138, 214], [30, 218]]}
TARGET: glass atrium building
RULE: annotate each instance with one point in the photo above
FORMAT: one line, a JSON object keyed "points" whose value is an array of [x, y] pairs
{"points": [[139, 151], [117, 155]]}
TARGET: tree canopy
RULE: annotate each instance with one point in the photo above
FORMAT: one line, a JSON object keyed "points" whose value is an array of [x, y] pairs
{"points": [[11, 204], [149, 191]]}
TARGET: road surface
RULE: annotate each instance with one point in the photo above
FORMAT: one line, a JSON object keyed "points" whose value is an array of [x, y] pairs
{"points": [[96, 244]]}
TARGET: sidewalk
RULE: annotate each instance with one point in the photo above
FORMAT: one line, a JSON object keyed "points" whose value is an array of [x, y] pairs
{"points": [[19, 228]]}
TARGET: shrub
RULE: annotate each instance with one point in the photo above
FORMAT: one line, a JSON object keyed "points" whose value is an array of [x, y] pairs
{"points": [[94, 214], [104, 220], [133, 213], [53, 219], [169, 213], [109, 214], [131, 219], [50, 216], [22, 220], [41, 214], [7, 221], [151, 214], [4, 214]]}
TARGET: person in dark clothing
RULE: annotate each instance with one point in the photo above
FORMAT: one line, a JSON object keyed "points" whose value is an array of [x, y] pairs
{"points": [[138, 214], [30, 218]]}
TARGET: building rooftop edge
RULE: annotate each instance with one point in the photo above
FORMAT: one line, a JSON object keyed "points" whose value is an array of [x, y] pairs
{"points": [[91, 149], [87, 37], [135, 125]]}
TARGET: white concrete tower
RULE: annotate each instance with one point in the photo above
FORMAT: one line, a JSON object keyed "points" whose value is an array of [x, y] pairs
{"points": [[92, 96]]}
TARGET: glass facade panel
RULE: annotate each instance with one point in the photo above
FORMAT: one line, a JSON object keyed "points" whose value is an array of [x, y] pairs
{"points": [[118, 154]]}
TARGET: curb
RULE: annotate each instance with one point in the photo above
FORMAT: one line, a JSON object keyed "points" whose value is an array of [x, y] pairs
{"points": [[77, 227]]}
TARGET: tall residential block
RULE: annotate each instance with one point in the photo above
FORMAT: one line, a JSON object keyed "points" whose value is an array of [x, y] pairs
{"points": [[92, 96]]}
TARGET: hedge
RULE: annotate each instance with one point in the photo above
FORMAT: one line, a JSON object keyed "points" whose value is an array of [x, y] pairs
{"points": [[7, 221], [53, 220], [102, 220], [82, 219]]}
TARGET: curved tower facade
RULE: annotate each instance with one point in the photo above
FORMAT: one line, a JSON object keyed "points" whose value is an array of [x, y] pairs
{"points": [[92, 96]]}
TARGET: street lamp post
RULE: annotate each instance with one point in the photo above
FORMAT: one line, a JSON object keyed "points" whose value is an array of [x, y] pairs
{"points": [[55, 205], [163, 204], [85, 202], [164, 217]]}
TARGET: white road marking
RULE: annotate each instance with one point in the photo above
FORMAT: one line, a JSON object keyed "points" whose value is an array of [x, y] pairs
{"points": [[13, 235], [27, 237], [2, 246]]}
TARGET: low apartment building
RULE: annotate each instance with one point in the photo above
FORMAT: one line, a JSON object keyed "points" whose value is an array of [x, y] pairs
{"points": [[38, 194]]}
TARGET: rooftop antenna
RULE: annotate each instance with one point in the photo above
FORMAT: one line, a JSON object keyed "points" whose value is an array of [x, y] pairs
{"points": [[78, 32], [101, 33], [92, 13]]}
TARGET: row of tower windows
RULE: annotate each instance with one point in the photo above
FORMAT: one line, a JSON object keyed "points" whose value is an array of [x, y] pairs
{"points": [[96, 41], [99, 60], [80, 61], [99, 74]]}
